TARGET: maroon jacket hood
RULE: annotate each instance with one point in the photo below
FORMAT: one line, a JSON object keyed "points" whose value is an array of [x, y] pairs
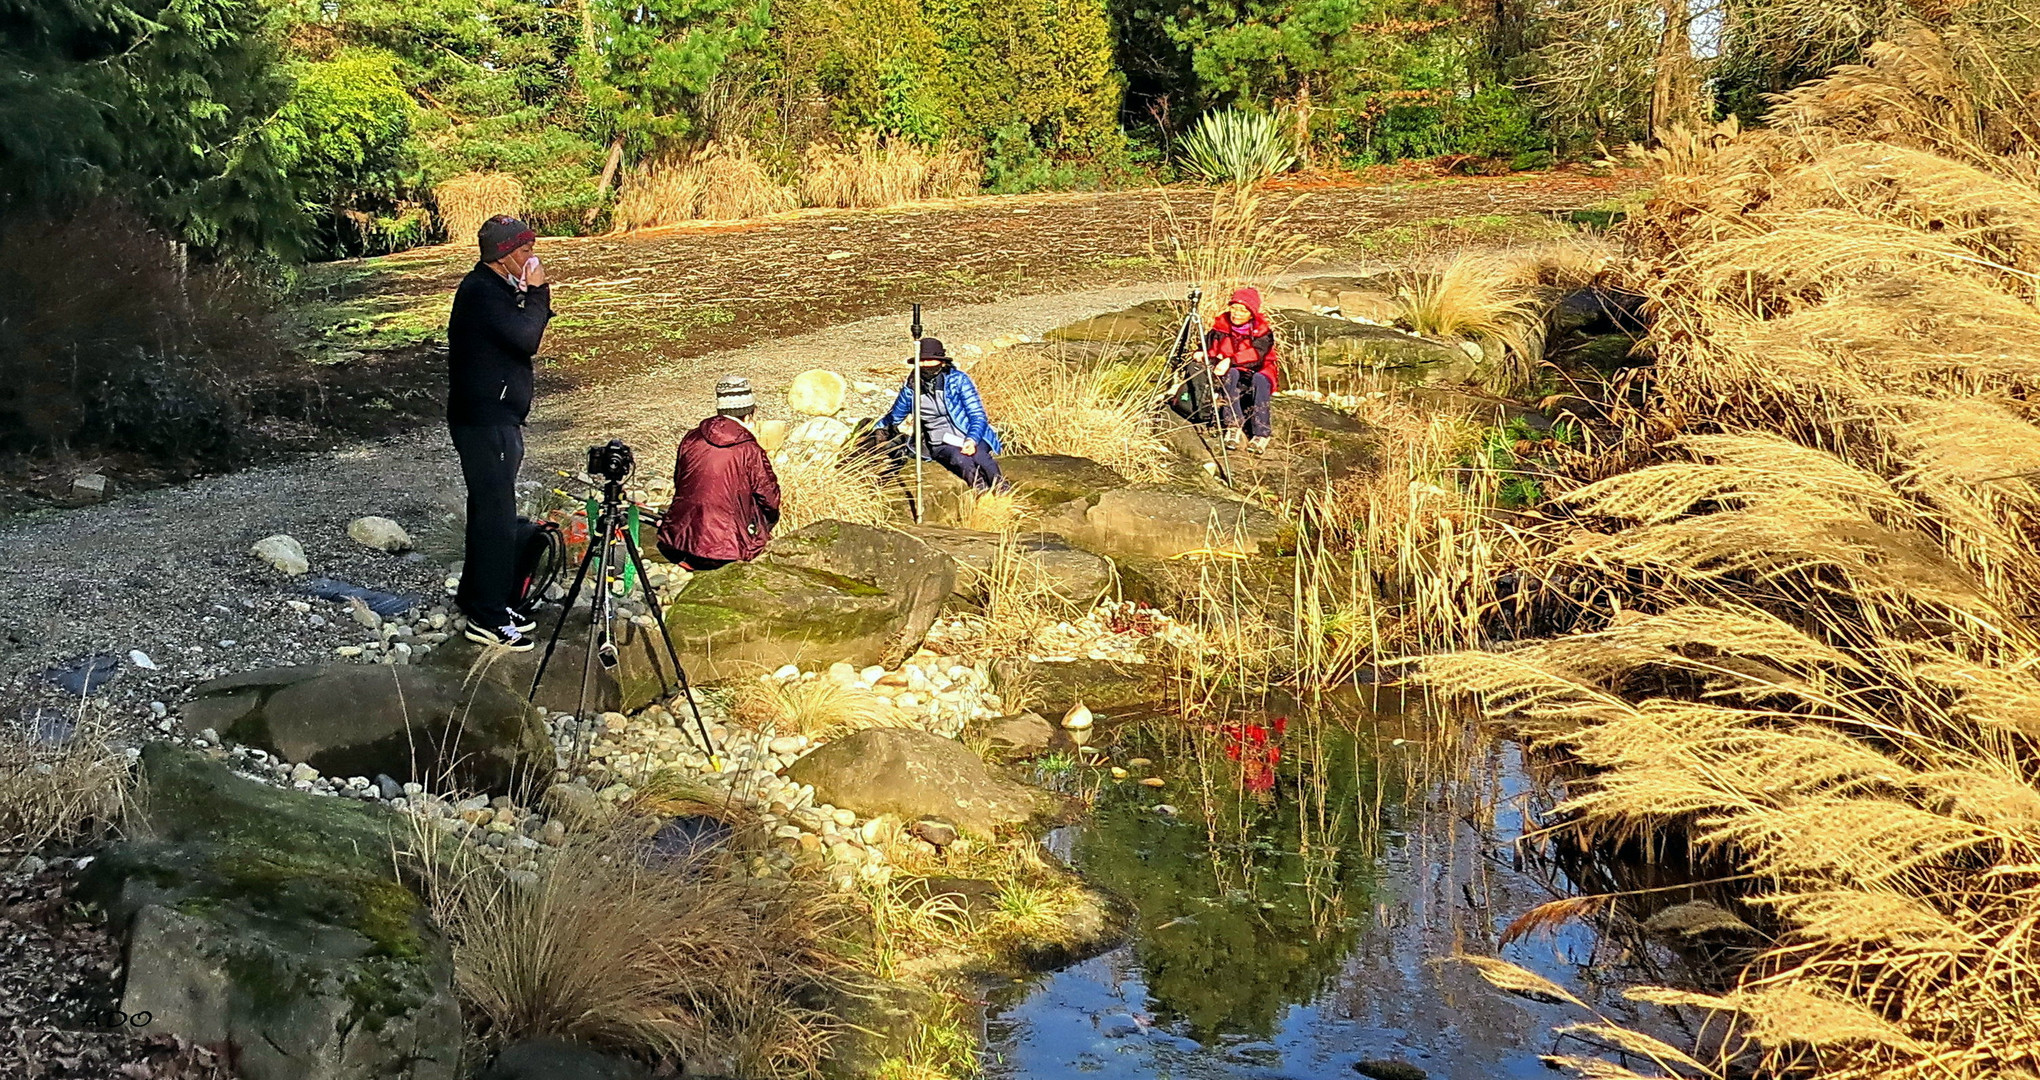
{"points": [[724, 431]]}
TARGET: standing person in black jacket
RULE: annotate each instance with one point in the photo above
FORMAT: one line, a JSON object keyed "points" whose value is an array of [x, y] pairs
{"points": [[499, 315]]}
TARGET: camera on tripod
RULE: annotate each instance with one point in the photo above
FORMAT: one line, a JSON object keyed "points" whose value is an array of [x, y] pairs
{"points": [[612, 461]]}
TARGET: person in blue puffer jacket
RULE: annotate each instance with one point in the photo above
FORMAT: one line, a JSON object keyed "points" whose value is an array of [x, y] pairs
{"points": [[954, 430]]}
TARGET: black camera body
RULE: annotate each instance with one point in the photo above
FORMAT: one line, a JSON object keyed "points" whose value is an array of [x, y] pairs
{"points": [[612, 461]]}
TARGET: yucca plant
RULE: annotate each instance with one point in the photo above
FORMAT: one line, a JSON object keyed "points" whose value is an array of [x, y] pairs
{"points": [[1235, 147]]}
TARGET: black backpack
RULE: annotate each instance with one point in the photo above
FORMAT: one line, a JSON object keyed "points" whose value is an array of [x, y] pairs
{"points": [[541, 555], [1193, 397]]}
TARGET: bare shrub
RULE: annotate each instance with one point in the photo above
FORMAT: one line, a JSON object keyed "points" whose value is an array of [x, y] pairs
{"points": [[674, 959], [60, 791], [117, 342], [886, 172], [464, 202]]}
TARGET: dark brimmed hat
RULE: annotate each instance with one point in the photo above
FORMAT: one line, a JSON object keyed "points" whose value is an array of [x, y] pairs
{"points": [[503, 234], [931, 349]]}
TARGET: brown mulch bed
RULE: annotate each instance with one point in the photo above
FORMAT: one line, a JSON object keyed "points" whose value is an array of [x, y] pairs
{"points": [[59, 994]]}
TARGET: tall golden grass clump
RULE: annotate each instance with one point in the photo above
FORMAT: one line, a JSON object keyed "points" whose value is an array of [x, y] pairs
{"points": [[1825, 670], [844, 485], [886, 172], [819, 707], [463, 202], [1105, 412], [1240, 240], [60, 792], [1487, 299], [720, 182], [621, 949]]}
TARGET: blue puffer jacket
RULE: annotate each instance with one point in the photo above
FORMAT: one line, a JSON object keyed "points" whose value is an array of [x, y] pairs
{"points": [[960, 399]]}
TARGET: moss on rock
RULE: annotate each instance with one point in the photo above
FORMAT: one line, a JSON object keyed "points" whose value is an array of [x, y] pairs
{"points": [[275, 921]]}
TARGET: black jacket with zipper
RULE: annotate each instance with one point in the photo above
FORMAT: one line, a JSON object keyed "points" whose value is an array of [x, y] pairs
{"points": [[490, 340]]}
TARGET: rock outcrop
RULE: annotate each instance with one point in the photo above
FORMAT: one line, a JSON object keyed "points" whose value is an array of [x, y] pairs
{"points": [[1036, 559], [912, 774], [411, 723], [833, 591], [273, 922], [1165, 522]]}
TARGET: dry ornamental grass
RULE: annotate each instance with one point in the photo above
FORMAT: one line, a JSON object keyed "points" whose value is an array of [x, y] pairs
{"points": [[1825, 672], [610, 946], [465, 201]]}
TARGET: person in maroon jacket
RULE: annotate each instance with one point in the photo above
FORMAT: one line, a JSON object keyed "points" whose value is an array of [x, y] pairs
{"points": [[1241, 349], [725, 494]]}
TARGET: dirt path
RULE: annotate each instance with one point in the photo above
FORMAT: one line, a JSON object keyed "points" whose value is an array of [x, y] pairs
{"points": [[167, 572], [630, 303]]}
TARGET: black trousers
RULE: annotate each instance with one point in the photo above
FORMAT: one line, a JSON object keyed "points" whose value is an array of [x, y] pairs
{"points": [[691, 561], [1247, 391], [489, 459], [979, 470]]}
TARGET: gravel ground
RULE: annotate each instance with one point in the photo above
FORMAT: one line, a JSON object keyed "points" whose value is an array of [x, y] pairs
{"points": [[168, 573]]}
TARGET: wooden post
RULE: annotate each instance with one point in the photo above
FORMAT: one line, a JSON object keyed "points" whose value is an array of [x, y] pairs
{"points": [[609, 168]]}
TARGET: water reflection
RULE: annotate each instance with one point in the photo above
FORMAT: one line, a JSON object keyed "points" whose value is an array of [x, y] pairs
{"points": [[1294, 909]]}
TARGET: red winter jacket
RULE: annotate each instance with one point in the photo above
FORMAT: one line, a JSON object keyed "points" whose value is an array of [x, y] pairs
{"points": [[725, 495], [1251, 347]]}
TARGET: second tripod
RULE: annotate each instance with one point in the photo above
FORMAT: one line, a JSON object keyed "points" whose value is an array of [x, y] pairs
{"points": [[608, 534]]}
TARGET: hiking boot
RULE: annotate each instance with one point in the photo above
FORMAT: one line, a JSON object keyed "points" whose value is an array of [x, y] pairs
{"points": [[503, 637], [1258, 444]]}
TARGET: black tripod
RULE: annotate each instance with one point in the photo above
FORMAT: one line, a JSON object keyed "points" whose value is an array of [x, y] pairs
{"points": [[1196, 382], [610, 529]]}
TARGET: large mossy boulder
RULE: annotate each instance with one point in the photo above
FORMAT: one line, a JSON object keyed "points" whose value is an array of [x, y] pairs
{"points": [[272, 921], [1150, 321], [913, 774], [1166, 521], [1382, 350], [1026, 561], [1312, 445], [1046, 480], [833, 591], [560, 691], [430, 725]]}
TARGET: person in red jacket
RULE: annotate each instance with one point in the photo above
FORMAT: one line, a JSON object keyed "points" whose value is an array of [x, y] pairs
{"points": [[725, 494], [1240, 347]]}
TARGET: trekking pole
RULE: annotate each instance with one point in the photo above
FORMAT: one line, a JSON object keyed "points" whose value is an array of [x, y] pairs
{"points": [[916, 410]]}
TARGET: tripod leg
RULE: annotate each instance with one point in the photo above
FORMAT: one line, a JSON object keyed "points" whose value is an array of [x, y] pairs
{"points": [[672, 651], [553, 642], [598, 609]]}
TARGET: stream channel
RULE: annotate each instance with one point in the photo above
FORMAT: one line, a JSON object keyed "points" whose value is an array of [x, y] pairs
{"points": [[1298, 909]]}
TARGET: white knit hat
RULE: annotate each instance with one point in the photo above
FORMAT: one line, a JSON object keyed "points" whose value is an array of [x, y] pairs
{"points": [[733, 392]]}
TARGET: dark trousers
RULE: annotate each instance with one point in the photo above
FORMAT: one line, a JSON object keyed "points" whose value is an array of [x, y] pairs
{"points": [[979, 470], [1249, 391], [692, 562], [489, 460]]}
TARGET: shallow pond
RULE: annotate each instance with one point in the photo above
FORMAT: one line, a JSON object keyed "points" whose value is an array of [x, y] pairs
{"points": [[1297, 909]]}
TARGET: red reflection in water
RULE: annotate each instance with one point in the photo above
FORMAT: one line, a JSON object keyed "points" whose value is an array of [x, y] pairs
{"points": [[1253, 745]]}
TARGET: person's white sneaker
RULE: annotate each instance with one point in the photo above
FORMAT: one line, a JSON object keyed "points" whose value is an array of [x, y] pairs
{"points": [[503, 637], [1258, 444], [1232, 438]]}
